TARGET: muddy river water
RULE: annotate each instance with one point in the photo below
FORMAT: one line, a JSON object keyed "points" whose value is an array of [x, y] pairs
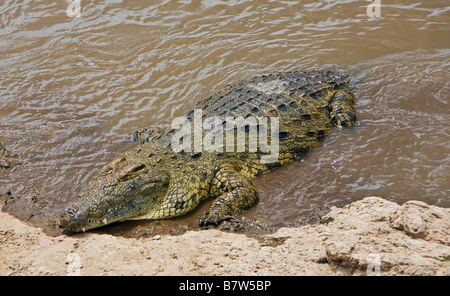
{"points": [[75, 82]]}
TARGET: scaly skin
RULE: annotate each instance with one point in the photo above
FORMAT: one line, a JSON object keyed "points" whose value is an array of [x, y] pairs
{"points": [[151, 181]]}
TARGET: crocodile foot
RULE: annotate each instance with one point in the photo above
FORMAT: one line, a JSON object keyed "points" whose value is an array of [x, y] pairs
{"points": [[214, 219]]}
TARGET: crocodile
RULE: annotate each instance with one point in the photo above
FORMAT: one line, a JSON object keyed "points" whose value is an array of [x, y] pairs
{"points": [[154, 181]]}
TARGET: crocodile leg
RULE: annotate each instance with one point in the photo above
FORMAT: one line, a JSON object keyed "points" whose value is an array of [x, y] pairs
{"points": [[342, 108], [236, 195]]}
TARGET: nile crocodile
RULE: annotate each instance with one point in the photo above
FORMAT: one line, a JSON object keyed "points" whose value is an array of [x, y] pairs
{"points": [[154, 181]]}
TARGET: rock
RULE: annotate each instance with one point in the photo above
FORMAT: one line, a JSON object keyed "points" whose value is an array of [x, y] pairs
{"points": [[411, 239], [420, 220]]}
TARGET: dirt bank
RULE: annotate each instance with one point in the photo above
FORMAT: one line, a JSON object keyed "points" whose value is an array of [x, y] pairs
{"points": [[371, 236]]}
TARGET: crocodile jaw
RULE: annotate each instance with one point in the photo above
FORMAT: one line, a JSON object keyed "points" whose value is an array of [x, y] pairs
{"points": [[77, 219]]}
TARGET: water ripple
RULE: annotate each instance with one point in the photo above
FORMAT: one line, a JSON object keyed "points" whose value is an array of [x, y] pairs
{"points": [[72, 88]]}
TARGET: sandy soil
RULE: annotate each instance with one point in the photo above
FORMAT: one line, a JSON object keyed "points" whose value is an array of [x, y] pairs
{"points": [[369, 237]]}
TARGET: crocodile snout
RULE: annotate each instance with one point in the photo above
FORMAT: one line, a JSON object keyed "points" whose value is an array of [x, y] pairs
{"points": [[73, 219]]}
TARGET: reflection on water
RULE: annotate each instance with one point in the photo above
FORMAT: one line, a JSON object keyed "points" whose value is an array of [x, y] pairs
{"points": [[72, 88]]}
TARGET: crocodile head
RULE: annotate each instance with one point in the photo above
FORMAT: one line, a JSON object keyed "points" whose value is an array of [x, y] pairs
{"points": [[125, 189]]}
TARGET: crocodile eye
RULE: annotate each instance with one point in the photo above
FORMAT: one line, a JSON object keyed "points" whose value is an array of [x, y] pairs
{"points": [[131, 171], [112, 166], [154, 184]]}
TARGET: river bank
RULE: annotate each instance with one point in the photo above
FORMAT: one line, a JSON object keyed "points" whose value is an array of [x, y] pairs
{"points": [[372, 236]]}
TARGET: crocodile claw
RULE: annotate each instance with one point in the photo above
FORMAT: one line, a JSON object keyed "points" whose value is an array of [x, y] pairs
{"points": [[214, 219]]}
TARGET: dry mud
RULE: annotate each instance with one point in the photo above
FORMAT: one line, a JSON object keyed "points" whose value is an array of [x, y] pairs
{"points": [[372, 236]]}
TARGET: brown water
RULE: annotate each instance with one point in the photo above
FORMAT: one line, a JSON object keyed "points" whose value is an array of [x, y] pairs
{"points": [[71, 89]]}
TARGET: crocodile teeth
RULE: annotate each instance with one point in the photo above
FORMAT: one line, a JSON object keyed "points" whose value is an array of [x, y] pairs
{"points": [[105, 221], [84, 229]]}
